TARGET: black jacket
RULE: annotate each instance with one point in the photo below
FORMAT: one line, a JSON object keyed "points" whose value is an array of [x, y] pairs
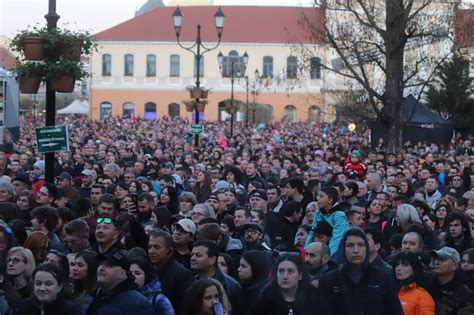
{"points": [[251, 292], [175, 279], [280, 230], [233, 290], [31, 306], [454, 297]]}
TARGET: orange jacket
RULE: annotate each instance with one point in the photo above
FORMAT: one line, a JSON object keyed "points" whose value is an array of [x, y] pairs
{"points": [[416, 300]]}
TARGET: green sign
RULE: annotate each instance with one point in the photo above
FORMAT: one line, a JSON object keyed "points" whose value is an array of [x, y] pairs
{"points": [[196, 129], [52, 138]]}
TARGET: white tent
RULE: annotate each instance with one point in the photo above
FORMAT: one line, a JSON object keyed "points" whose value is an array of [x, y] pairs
{"points": [[77, 107]]}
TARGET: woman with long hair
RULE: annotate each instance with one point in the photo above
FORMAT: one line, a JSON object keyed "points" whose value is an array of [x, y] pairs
{"points": [[351, 189], [227, 265], [442, 211], [47, 298], [161, 218], [8, 294], [84, 275], [149, 285], [413, 295], [203, 296], [202, 189], [38, 243], [254, 270], [289, 290], [406, 188], [169, 199], [20, 265]]}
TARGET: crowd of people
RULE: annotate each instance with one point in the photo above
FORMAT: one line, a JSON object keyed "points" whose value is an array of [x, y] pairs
{"points": [[284, 218]]}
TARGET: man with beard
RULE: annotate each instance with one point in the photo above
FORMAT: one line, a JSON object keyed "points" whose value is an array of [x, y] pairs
{"points": [[317, 261], [253, 236]]}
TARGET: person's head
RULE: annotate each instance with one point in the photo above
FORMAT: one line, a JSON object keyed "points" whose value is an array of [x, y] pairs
{"points": [[273, 194], [96, 193], [44, 218], [253, 266], [302, 234], [7, 191], [458, 226], [201, 211], [412, 242], [204, 257], [317, 256], [253, 232], [227, 265], [467, 260], [107, 205], [258, 199], [241, 217], [202, 295], [38, 243], [47, 283], [107, 231], [375, 239], [161, 217], [145, 203], [77, 235], [289, 273], [351, 189], [187, 201], [20, 262], [407, 215], [327, 197], [84, 270], [113, 269], [408, 268], [183, 232], [47, 194], [446, 261], [294, 187], [292, 211], [356, 248], [160, 247], [142, 270], [374, 181]]}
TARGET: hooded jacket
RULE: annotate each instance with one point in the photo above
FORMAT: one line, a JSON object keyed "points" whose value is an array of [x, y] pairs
{"points": [[153, 294], [368, 291]]}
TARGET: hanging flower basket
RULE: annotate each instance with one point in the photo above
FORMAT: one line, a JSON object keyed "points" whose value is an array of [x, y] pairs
{"points": [[30, 84], [29, 75], [200, 107], [68, 49], [197, 92], [189, 107], [64, 83], [33, 48]]}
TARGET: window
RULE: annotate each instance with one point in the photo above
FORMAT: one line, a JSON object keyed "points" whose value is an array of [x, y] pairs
{"points": [[290, 113], [291, 67], [173, 110], [128, 110], [466, 68], [267, 67], [315, 68], [201, 66], [150, 111], [174, 66], [150, 65], [233, 59], [106, 65], [128, 65], [105, 110]]}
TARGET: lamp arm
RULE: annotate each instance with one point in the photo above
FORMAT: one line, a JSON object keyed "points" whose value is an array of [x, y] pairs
{"points": [[206, 49], [190, 48]]}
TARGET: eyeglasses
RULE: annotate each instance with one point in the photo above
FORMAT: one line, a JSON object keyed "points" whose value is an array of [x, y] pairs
{"points": [[284, 255], [196, 214], [104, 220], [15, 260]]}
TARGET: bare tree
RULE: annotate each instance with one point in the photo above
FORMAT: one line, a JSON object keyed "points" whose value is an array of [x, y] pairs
{"points": [[386, 48]]}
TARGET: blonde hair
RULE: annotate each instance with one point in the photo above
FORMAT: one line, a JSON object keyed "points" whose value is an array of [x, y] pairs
{"points": [[30, 264]]}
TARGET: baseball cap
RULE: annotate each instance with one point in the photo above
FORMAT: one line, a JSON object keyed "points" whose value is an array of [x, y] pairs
{"points": [[64, 175], [86, 172], [116, 257], [187, 225], [447, 252], [260, 193], [22, 178], [253, 225]]}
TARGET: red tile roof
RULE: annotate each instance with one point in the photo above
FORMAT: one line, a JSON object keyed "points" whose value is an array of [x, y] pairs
{"points": [[464, 27], [7, 59], [257, 24]]}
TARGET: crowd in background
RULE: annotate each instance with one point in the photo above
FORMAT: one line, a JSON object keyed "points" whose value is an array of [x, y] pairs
{"points": [[283, 218]]}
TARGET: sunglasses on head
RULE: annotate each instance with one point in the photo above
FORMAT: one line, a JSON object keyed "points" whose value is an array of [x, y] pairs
{"points": [[104, 220]]}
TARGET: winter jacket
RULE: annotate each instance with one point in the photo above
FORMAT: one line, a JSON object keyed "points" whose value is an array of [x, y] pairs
{"points": [[338, 220], [373, 293], [280, 229], [4, 307], [359, 168], [251, 292], [454, 297], [233, 290], [153, 294], [416, 300], [31, 306], [175, 280], [124, 299]]}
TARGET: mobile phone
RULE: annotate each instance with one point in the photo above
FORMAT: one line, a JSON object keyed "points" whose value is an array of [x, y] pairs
{"points": [[218, 309]]}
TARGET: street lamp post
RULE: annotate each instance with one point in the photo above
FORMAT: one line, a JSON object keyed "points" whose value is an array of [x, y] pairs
{"points": [[243, 64], [52, 21], [256, 74], [254, 94], [177, 22]]}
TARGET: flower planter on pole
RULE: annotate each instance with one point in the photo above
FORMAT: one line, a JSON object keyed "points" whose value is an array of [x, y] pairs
{"points": [[68, 49], [189, 107], [200, 107], [30, 84], [64, 83], [195, 93], [33, 48]]}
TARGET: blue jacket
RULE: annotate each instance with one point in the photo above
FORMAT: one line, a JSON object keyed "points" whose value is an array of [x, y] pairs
{"points": [[122, 300], [337, 218], [161, 304]]}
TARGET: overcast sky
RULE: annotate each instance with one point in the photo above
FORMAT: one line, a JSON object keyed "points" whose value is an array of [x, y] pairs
{"points": [[93, 15]]}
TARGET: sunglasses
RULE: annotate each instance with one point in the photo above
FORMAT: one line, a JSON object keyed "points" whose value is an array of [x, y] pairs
{"points": [[104, 220]]}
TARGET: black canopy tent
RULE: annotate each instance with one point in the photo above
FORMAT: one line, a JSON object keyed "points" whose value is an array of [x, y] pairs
{"points": [[419, 124]]}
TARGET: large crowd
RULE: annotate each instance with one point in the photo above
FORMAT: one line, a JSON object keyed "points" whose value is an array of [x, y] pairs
{"points": [[283, 218]]}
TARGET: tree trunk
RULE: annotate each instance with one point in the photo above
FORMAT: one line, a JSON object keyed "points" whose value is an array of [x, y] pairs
{"points": [[395, 41]]}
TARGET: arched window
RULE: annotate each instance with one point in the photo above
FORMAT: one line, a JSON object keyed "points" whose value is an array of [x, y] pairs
{"points": [[105, 110], [106, 65], [315, 68], [291, 67], [150, 111], [174, 66], [237, 61], [150, 65], [128, 110], [173, 110], [290, 113], [268, 67], [201, 66], [314, 113], [128, 65]]}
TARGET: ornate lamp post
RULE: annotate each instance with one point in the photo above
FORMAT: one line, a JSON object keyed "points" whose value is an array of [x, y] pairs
{"points": [[240, 72], [254, 94], [219, 18], [256, 74]]}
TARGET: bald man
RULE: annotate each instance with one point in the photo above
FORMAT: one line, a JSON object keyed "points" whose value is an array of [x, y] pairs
{"points": [[317, 261]]}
